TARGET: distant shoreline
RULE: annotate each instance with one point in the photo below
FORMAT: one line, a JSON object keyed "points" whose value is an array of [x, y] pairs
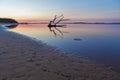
{"points": [[72, 23]]}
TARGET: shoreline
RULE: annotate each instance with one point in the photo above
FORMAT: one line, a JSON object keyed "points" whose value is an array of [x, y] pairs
{"points": [[23, 58]]}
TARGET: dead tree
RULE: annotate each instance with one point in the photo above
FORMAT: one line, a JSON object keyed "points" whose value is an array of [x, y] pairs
{"points": [[53, 24]]}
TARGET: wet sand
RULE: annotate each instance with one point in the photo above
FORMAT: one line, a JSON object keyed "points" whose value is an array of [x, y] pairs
{"points": [[22, 58]]}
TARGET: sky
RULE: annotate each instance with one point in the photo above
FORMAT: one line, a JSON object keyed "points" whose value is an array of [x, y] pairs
{"points": [[71, 9]]}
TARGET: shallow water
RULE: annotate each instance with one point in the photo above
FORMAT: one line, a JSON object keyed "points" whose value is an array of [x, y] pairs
{"points": [[99, 42]]}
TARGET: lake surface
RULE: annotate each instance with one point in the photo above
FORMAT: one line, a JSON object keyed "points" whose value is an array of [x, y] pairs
{"points": [[99, 42]]}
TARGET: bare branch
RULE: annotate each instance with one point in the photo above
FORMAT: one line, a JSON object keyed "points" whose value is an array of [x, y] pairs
{"points": [[54, 18], [59, 20]]}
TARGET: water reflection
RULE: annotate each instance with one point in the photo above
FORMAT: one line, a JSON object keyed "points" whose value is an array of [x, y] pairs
{"points": [[11, 26], [56, 31], [98, 42]]}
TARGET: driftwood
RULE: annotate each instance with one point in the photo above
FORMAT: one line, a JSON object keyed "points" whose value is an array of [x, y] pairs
{"points": [[53, 24]]}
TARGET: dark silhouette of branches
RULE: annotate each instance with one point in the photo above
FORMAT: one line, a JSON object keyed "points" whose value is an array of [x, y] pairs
{"points": [[54, 24]]}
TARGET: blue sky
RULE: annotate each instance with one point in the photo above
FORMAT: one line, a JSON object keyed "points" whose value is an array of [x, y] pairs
{"points": [[74, 9]]}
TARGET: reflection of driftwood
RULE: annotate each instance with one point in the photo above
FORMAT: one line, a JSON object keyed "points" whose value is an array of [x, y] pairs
{"points": [[54, 24], [55, 31]]}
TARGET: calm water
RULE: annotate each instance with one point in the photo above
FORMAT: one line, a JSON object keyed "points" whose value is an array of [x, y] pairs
{"points": [[100, 43]]}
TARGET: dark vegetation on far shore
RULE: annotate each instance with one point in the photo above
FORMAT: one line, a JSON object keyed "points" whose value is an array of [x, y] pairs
{"points": [[7, 20]]}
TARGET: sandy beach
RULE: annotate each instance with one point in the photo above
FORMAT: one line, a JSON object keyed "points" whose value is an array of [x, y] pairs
{"points": [[22, 58]]}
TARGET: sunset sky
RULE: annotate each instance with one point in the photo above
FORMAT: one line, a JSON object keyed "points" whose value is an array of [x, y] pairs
{"points": [[72, 9]]}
